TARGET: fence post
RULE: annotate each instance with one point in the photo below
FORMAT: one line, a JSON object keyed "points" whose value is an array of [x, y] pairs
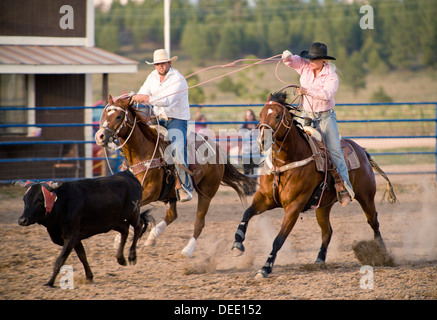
{"points": [[435, 148]]}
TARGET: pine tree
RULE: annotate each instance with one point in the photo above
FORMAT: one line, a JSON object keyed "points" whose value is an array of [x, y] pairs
{"points": [[278, 37], [228, 46], [428, 31], [354, 74]]}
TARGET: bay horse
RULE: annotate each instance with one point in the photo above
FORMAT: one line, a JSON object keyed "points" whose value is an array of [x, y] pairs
{"points": [[292, 187], [141, 146]]}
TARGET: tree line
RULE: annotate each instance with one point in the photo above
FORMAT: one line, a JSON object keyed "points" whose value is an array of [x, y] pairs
{"points": [[404, 34]]}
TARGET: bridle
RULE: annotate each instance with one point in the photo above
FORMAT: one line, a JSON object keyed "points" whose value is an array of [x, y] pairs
{"points": [[275, 151], [147, 164], [287, 124], [113, 133], [285, 110]]}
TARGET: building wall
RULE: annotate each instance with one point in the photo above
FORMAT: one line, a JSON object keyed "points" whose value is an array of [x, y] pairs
{"points": [[42, 18], [50, 91]]}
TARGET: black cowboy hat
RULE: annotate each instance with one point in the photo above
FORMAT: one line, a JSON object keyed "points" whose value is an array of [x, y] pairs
{"points": [[317, 51]]}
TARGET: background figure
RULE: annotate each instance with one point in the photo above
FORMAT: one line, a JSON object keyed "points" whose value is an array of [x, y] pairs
{"points": [[249, 149], [199, 127]]}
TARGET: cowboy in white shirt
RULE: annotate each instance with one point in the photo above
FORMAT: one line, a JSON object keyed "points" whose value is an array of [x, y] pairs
{"points": [[167, 90]]}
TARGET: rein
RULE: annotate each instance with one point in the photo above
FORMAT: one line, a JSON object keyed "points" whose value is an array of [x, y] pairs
{"points": [[293, 165], [114, 134], [140, 166]]}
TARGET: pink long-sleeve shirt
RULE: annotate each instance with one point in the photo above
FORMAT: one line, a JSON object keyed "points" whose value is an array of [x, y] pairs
{"points": [[320, 89]]}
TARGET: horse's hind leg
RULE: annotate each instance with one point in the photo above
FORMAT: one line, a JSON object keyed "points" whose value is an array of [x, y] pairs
{"points": [[322, 215], [368, 206], [202, 209]]}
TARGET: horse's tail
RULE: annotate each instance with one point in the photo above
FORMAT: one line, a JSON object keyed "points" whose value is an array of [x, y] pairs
{"points": [[391, 197], [146, 218], [241, 183]]}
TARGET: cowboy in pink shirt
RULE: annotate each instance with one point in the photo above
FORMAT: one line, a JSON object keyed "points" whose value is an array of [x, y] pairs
{"points": [[319, 83], [320, 89]]}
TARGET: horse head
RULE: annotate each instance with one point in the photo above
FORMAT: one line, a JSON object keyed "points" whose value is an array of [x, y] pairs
{"points": [[115, 120], [275, 119]]}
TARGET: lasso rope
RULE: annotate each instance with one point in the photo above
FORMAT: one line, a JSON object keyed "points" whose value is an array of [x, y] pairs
{"points": [[232, 64]]}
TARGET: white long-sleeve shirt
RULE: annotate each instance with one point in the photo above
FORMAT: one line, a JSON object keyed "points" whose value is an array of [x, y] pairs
{"points": [[169, 97]]}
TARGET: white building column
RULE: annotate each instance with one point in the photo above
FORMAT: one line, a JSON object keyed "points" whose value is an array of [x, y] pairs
{"points": [[88, 130]]}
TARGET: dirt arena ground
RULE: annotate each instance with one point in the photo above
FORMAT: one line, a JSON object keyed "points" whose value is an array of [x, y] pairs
{"points": [[409, 230]]}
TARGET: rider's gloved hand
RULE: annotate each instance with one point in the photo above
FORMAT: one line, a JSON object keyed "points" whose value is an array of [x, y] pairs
{"points": [[286, 55]]}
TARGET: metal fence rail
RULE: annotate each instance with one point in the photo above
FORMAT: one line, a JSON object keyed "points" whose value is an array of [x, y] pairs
{"points": [[119, 159]]}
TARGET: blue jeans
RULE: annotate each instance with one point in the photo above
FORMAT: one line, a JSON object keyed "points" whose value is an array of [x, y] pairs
{"points": [[327, 122], [177, 135]]}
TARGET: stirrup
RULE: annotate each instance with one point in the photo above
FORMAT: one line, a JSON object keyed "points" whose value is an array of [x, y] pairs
{"points": [[188, 196], [344, 198]]}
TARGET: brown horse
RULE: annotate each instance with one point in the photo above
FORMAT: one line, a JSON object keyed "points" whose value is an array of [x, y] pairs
{"points": [[142, 148], [292, 187]]}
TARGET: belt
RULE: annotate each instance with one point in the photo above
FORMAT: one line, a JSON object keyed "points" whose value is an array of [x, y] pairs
{"points": [[316, 115]]}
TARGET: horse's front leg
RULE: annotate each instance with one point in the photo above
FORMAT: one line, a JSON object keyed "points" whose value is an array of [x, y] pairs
{"points": [[170, 216], [202, 209], [290, 218], [259, 205]]}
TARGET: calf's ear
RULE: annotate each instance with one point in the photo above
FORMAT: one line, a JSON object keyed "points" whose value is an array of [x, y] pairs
{"points": [[19, 183], [55, 185], [28, 183]]}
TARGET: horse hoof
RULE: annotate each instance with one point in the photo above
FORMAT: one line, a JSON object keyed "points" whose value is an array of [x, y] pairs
{"points": [[186, 252], [319, 261], [150, 242], [236, 252], [122, 261], [261, 274], [133, 262], [237, 249]]}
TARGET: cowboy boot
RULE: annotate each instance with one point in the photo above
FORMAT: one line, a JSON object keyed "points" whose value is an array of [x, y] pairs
{"points": [[343, 194], [344, 198], [182, 194]]}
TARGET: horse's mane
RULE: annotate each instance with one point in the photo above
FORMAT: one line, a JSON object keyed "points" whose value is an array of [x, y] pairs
{"points": [[280, 97], [142, 123]]}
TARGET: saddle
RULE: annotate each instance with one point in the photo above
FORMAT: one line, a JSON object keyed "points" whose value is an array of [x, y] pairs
{"points": [[200, 152], [324, 162], [318, 148]]}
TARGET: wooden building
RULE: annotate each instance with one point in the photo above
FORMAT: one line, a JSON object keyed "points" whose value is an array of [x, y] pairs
{"points": [[47, 59]]}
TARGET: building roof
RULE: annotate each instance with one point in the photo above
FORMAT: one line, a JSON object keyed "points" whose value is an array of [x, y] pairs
{"points": [[32, 59]]}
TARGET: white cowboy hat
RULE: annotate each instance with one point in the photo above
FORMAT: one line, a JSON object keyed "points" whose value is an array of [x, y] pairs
{"points": [[161, 56]]}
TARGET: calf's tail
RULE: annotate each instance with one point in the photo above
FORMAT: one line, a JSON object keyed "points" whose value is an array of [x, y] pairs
{"points": [[147, 219]]}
